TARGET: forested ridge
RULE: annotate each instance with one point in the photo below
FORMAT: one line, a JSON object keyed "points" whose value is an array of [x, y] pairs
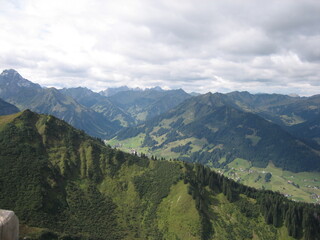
{"points": [[301, 219], [63, 184]]}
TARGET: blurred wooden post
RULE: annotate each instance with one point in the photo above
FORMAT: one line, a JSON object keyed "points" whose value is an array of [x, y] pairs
{"points": [[9, 225]]}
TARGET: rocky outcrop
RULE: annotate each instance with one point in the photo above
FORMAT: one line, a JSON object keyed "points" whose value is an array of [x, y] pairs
{"points": [[9, 225]]}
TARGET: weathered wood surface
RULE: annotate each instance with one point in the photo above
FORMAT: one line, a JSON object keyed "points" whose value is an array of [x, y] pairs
{"points": [[9, 225]]}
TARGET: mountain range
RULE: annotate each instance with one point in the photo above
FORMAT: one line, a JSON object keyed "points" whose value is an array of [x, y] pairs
{"points": [[92, 112], [111, 91], [290, 112], [63, 184], [211, 127], [100, 104], [27, 95], [144, 105]]}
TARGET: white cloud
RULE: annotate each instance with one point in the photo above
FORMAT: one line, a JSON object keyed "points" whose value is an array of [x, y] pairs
{"points": [[200, 46]]}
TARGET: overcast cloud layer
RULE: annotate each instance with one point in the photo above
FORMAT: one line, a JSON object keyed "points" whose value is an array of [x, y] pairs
{"points": [[258, 46]]}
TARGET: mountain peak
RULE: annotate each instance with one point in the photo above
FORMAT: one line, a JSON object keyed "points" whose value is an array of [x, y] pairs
{"points": [[210, 94], [213, 96], [112, 91], [157, 88], [214, 100], [12, 77], [11, 73]]}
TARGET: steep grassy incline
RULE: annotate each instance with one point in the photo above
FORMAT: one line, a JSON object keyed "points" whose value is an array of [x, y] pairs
{"points": [[58, 179], [62, 184]]}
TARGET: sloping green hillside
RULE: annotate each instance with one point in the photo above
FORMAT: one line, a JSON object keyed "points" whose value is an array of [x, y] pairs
{"points": [[63, 184], [210, 127]]}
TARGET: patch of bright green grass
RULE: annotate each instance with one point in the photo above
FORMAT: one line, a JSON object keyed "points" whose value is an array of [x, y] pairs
{"points": [[240, 163], [291, 120], [254, 139], [121, 189], [8, 118], [177, 216], [129, 144], [142, 116]]}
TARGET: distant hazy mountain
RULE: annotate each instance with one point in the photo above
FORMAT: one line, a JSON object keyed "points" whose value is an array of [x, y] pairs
{"points": [[27, 95], [281, 109], [84, 96], [143, 105], [128, 106], [17, 90], [212, 127], [305, 109], [7, 108], [114, 113], [194, 94], [100, 104], [156, 88], [267, 105], [112, 91]]}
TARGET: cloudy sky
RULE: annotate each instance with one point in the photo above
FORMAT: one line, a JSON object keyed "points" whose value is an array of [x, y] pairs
{"points": [[198, 45]]}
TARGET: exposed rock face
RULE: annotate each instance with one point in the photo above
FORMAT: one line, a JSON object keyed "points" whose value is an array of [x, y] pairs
{"points": [[9, 225]]}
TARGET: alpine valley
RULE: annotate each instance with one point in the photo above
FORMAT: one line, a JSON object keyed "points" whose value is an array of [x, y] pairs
{"points": [[264, 141], [158, 164]]}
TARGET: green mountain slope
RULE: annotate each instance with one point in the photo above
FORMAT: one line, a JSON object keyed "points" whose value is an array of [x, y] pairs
{"points": [[27, 95], [7, 108], [63, 184], [210, 127], [273, 107], [306, 109], [298, 115], [309, 131]]}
